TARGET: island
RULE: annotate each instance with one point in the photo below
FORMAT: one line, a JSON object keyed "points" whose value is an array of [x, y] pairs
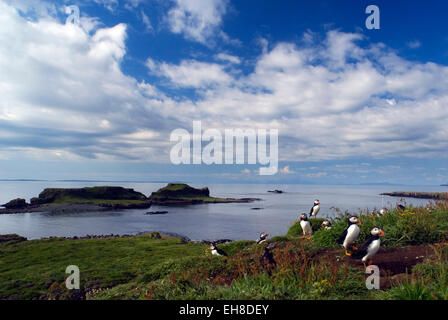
{"points": [[420, 195], [181, 194], [72, 200], [104, 198]]}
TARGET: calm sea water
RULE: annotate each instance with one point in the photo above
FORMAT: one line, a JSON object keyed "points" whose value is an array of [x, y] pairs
{"points": [[207, 221]]}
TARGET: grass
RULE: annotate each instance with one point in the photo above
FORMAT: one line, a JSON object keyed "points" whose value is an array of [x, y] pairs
{"points": [[415, 225], [76, 200], [296, 230], [429, 280], [29, 268], [145, 267]]}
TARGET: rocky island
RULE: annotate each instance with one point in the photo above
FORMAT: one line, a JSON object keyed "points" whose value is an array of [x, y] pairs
{"points": [[181, 194], [60, 200], [104, 198]]}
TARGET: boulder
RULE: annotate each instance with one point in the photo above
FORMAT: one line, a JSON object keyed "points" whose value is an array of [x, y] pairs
{"points": [[16, 204]]}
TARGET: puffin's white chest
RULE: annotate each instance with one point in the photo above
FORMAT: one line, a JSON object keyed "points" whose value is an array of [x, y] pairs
{"points": [[316, 209], [215, 252], [352, 235], [306, 227], [372, 249]]}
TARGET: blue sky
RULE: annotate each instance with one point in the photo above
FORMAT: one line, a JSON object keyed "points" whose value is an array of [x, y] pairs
{"points": [[98, 100]]}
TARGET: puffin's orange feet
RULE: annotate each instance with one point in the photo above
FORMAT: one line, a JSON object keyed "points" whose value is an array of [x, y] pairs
{"points": [[354, 248], [348, 253]]}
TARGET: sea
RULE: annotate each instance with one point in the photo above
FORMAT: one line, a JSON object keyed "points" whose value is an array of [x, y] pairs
{"points": [[275, 213]]}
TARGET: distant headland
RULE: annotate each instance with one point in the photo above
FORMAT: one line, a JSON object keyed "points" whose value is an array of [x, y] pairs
{"points": [[420, 195]]}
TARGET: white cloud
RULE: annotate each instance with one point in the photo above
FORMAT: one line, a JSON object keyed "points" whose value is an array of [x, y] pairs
{"points": [[146, 21], [63, 90], [110, 5], [191, 73], [414, 44], [228, 58], [196, 19], [286, 170], [64, 93]]}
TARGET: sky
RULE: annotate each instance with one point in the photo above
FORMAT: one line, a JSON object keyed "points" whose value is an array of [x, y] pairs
{"points": [[99, 99]]}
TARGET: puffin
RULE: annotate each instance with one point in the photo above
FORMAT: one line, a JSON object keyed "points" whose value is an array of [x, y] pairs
{"points": [[215, 251], [263, 237], [306, 225], [326, 224], [267, 259], [401, 207], [350, 234], [383, 211], [315, 209], [370, 247]]}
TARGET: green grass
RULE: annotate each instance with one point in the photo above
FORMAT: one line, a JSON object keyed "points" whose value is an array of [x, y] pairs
{"points": [[429, 280], [410, 227], [75, 200], [144, 267], [27, 269], [296, 230]]}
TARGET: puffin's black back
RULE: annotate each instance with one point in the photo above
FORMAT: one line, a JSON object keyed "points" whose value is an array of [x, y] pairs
{"points": [[311, 210], [362, 251]]}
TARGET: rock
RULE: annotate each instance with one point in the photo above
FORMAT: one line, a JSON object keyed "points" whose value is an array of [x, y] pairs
{"points": [[156, 212], [155, 235], [275, 191], [16, 204], [11, 238]]}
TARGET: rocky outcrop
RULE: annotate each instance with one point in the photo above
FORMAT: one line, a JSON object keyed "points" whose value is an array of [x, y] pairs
{"points": [[16, 204], [181, 194], [73, 200], [91, 193], [180, 190], [11, 238]]}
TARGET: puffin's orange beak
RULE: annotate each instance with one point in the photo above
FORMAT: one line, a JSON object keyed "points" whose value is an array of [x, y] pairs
{"points": [[359, 221], [382, 233]]}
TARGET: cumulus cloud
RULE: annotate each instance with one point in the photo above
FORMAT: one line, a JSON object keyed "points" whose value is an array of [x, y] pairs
{"points": [[63, 89], [190, 73], [64, 93], [228, 58], [197, 20]]}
